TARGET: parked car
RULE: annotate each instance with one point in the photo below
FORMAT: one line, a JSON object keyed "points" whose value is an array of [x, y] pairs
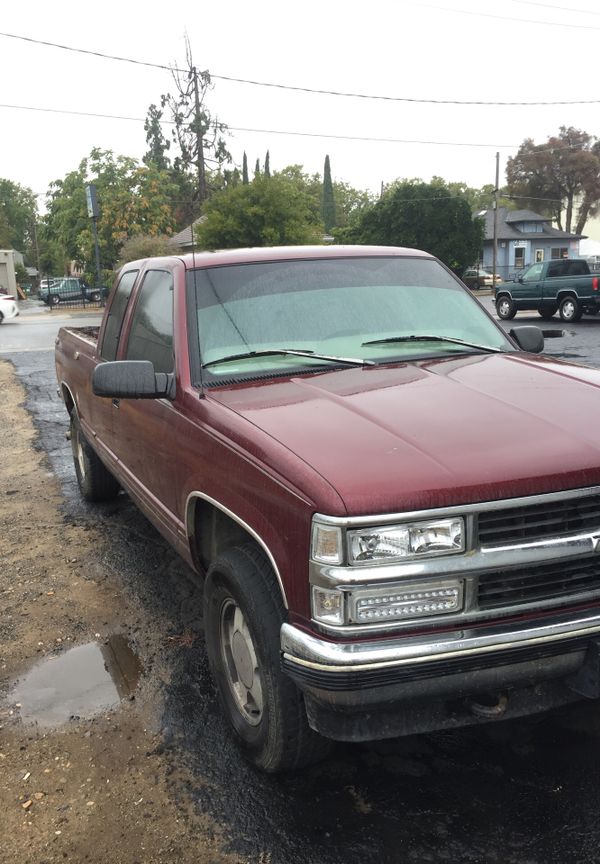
{"points": [[69, 290], [565, 286], [394, 505], [475, 277], [8, 307]]}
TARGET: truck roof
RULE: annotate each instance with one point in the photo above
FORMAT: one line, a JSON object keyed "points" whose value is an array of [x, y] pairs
{"points": [[287, 253]]}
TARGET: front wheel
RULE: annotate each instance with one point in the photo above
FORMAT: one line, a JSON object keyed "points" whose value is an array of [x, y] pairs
{"points": [[243, 613], [95, 481], [505, 308], [570, 309]]}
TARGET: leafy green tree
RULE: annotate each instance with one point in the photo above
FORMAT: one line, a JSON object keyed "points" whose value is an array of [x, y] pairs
{"points": [[144, 246], [559, 178], [245, 179], [18, 214], [158, 145], [478, 199], [134, 199], [423, 216], [267, 212], [328, 199]]}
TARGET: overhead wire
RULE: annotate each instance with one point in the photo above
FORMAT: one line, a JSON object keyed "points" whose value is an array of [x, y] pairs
{"points": [[366, 138], [314, 90]]}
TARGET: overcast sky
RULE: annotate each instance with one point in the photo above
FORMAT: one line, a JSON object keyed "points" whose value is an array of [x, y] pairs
{"points": [[463, 50]]}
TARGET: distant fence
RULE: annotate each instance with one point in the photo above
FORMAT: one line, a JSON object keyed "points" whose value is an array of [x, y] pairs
{"points": [[56, 303]]}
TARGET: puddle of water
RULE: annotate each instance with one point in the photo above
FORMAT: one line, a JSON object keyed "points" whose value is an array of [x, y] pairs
{"points": [[81, 683]]}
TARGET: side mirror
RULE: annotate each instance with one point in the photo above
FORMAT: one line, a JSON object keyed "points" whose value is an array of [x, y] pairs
{"points": [[131, 379], [519, 279], [528, 338]]}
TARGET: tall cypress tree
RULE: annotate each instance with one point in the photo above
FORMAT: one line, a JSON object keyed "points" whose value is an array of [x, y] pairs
{"points": [[328, 201], [267, 165], [245, 180], [257, 168]]}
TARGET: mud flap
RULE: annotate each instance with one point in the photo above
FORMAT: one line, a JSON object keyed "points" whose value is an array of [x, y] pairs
{"points": [[586, 681]]}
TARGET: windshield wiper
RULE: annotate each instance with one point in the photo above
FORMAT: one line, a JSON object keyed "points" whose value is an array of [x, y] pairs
{"points": [[421, 337], [294, 352]]}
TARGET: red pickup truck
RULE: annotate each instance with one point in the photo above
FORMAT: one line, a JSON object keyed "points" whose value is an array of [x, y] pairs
{"points": [[395, 506]]}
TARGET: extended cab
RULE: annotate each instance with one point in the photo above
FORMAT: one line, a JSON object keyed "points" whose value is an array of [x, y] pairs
{"points": [[566, 286], [362, 465]]}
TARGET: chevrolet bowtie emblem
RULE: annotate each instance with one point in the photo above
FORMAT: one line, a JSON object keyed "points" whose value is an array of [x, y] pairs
{"points": [[596, 543]]}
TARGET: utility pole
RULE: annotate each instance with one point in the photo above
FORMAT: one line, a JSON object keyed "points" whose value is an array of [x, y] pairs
{"points": [[495, 246], [200, 166], [93, 213]]}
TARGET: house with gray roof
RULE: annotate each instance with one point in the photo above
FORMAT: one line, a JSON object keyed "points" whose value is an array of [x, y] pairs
{"points": [[524, 238]]}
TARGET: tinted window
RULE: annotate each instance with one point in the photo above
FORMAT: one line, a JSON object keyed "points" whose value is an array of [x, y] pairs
{"points": [[114, 322], [151, 336]]}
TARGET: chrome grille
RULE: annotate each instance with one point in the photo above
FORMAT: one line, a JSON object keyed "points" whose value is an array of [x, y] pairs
{"points": [[536, 583], [538, 521]]}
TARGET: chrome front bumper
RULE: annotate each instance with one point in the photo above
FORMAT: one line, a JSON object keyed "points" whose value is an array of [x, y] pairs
{"points": [[303, 650]]}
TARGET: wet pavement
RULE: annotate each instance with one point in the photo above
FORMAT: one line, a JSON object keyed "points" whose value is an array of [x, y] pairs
{"points": [[524, 792]]}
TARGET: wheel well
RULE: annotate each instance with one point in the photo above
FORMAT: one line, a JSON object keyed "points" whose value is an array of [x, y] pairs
{"points": [[567, 292], [212, 529], [68, 399], [503, 295]]}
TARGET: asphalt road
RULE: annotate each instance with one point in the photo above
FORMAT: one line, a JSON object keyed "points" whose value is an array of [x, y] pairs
{"points": [[524, 792]]}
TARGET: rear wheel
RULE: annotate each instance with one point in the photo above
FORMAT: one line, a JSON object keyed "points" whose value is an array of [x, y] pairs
{"points": [[95, 481], [94, 297], [1, 317], [570, 309], [54, 299], [243, 613], [505, 308]]}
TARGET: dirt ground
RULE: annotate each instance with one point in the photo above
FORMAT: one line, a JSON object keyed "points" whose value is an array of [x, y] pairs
{"points": [[85, 790]]}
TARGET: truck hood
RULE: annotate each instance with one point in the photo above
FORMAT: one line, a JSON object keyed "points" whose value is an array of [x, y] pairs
{"points": [[437, 432]]}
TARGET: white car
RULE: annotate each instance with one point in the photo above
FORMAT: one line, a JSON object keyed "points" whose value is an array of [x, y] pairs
{"points": [[8, 307]]}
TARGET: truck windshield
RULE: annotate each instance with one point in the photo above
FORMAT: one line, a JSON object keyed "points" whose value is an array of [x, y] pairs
{"points": [[252, 318]]}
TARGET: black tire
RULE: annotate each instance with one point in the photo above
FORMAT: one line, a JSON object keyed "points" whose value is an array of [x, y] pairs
{"points": [[94, 297], [95, 481], [570, 309], [548, 313], [243, 613], [505, 308], [54, 299], [1, 317]]}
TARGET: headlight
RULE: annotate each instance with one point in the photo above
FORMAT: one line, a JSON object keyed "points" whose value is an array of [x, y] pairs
{"points": [[397, 542]]}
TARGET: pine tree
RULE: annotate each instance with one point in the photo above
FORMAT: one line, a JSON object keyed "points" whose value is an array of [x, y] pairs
{"points": [[267, 165], [245, 180], [328, 201]]}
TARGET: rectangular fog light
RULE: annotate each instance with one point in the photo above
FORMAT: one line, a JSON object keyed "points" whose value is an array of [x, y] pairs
{"points": [[401, 603]]}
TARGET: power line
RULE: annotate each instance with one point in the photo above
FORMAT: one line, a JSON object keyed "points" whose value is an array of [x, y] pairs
{"points": [[266, 131], [323, 92], [520, 21], [294, 132], [552, 6]]}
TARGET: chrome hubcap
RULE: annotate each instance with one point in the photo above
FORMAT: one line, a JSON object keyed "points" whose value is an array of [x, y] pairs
{"points": [[79, 456], [240, 663], [568, 309]]}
